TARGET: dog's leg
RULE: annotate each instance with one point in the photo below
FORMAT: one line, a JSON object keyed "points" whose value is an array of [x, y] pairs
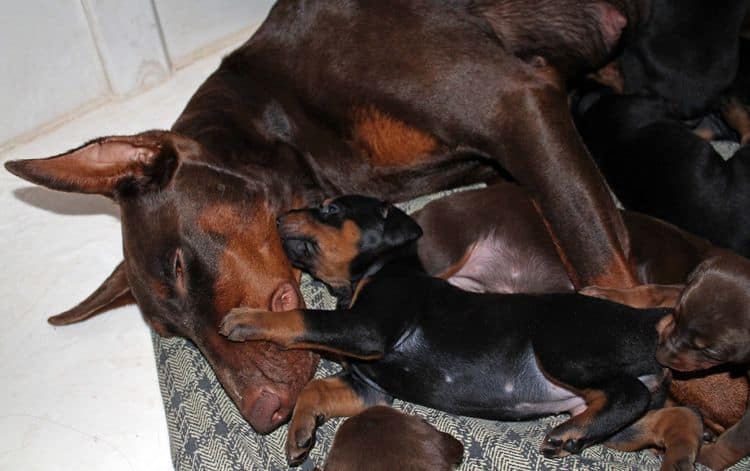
{"points": [[322, 399], [544, 152], [676, 430], [737, 116], [731, 446], [341, 332], [610, 407], [644, 296]]}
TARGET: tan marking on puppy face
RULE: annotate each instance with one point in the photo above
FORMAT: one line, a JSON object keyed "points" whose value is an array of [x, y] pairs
{"points": [[338, 247], [390, 142]]}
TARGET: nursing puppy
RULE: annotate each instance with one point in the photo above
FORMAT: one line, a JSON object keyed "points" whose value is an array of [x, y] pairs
{"points": [[384, 439], [711, 326], [495, 356]]}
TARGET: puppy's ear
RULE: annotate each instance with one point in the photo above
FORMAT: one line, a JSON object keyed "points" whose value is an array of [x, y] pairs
{"points": [[399, 227]]}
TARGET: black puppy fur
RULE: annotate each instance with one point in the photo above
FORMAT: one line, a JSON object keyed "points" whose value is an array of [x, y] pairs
{"points": [[685, 52], [658, 166], [508, 357]]}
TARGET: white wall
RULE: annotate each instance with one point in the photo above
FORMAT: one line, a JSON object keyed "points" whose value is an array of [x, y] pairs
{"points": [[189, 26], [60, 56], [49, 63]]}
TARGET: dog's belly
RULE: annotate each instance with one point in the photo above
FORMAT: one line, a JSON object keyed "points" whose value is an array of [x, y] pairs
{"points": [[495, 386], [511, 265]]}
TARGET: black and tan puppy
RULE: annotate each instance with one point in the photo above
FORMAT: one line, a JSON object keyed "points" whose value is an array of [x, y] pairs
{"points": [[496, 356], [384, 439], [711, 326], [659, 166]]}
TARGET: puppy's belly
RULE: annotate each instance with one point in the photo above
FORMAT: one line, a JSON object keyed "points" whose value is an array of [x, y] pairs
{"points": [[506, 387]]}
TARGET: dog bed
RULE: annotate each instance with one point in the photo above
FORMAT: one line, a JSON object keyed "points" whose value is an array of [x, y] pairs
{"points": [[207, 431]]}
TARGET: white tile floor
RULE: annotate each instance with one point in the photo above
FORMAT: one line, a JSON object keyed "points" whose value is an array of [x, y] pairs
{"points": [[85, 396]]}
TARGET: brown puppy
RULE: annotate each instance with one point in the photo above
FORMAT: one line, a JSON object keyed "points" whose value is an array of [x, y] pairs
{"points": [[711, 326], [384, 439]]}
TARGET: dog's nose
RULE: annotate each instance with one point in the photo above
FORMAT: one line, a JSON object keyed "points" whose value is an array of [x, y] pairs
{"points": [[264, 411]]}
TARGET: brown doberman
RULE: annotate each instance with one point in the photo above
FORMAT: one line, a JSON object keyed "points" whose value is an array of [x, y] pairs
{"points": [[393, 98]]}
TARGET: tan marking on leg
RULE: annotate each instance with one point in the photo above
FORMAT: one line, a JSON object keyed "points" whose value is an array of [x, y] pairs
{"points": [[731, 446], [611, 76], [677, 430], [286, 329], [390, 142], [644, 296], [558, 247], [320, 400], [577, 426], [456, 266], [281, 328], [737, 116], [704, 133], [358, 290]]}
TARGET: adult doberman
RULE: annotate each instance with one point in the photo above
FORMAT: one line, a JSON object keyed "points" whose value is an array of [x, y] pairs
{"points": [[393, 98]]}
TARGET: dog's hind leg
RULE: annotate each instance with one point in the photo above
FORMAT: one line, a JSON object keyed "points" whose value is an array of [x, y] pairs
{"points": [[322, 399], [731, 446], [676, 430], [611, 406]]}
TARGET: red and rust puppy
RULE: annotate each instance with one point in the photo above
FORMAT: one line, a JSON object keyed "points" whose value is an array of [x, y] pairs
{"points": [[421, 96], [384, 439], [711, 326], [496, 356]]}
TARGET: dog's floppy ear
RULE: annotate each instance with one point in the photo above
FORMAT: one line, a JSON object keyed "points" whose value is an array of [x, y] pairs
{"points": [[103, 165], [399, 228], [114, 292]]}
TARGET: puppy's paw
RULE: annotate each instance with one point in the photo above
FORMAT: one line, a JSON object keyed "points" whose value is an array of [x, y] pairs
{"points": [[241, 324], [558, 444], [301, 438]]}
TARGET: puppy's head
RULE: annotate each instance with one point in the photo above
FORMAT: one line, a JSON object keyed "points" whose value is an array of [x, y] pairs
{"points": [[337, 241], [382, 438], [711, 323]]}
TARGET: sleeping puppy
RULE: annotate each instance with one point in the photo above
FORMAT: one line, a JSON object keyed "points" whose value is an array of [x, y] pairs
{"points": [[494, 240], [495, 356], [658, 166], [711, 326], [384, 439]]}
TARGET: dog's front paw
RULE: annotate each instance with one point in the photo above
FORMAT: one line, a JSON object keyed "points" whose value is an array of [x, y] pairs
{"points": [[558, 444], [301, 438], [240, 324]]}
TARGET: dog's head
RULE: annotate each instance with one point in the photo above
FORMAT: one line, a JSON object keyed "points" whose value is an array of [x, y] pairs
{"points": [[337, 241], [198, 240], [711, 323]]}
